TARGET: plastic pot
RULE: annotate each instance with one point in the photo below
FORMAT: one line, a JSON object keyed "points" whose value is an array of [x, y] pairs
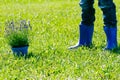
{"points": [[20, 50]]}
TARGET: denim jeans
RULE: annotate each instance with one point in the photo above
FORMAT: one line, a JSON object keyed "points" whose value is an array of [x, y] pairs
{"points": [[108, 8]]}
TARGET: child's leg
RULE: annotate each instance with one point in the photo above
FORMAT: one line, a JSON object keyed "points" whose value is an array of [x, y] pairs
{"points": [[86, 27], [110, 22], [109, 12], [88, 12]]}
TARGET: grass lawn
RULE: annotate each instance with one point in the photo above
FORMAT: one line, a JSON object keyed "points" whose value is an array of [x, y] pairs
{"points": [[55, 28]]}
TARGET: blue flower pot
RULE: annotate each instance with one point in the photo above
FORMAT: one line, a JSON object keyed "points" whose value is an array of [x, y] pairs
{"points": [[20, 50]]}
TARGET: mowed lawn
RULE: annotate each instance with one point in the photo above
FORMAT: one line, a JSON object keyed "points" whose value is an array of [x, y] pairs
{"points": [[55, 27]]}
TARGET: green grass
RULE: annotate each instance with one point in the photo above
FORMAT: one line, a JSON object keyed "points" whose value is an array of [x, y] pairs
{"points": [[55, 28]]}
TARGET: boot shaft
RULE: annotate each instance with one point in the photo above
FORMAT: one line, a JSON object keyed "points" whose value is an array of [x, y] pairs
{"points": [[86, 33], [111, 35]]}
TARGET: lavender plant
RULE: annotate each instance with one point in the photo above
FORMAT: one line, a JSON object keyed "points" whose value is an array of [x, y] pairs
{"points": [[17, 33]]}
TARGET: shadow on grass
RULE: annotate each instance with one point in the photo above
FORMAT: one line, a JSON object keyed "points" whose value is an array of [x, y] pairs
{"points": [[117, 50], [31, 55], [28, 56]]}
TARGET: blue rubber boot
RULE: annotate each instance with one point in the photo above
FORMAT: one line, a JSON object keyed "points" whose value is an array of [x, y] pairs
{"points": [[111, 35], [85, 38]]}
